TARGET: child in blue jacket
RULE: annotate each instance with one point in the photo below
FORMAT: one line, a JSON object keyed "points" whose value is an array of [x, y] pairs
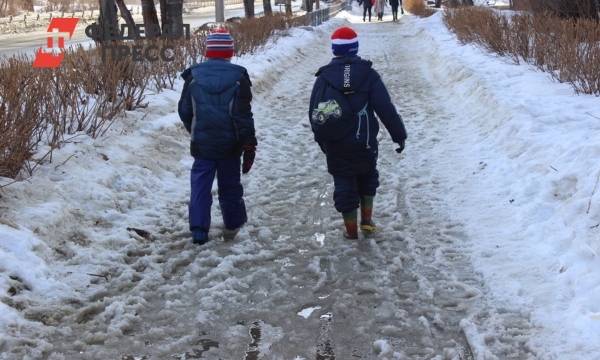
{"points": [[352, 160], [215, 108]]}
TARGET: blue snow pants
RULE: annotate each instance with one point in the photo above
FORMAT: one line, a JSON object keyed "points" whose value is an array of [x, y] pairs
{"points": [[349, 189], [230, 193]]}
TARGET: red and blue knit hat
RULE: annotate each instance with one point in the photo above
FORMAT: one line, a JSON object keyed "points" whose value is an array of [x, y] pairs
{"points": [[344, 42], [219, 44]]}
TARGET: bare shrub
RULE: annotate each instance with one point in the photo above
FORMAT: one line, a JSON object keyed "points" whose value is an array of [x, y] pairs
{"points": [[459, 21], [164, 73], [567, 8], [59, 5], [21, 89], [87, 93], [418, 8], [194, 48], [118, 85], [492, 29], [519, 37], [250, 35], [567, 49], [577, 54]]}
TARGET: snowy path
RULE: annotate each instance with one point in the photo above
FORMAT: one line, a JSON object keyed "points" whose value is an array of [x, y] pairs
{"points": [[287, 286]]}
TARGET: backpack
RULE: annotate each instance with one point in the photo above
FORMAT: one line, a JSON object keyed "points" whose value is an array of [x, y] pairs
{"points": [[332, 117]]}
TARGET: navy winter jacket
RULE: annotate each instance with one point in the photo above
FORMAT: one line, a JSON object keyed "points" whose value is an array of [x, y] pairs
{"points": [[215, 108], [356, 153]]}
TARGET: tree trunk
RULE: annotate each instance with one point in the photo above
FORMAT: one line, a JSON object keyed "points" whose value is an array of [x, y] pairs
{"points": [[267, 7], [288, 7], [108, 16], [126, 14], [151, 25], [163, 13], [173, 16], [309, 5], [249, 8], [438, 3]]}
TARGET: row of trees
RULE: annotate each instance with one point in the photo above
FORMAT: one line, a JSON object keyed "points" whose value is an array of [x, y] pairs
{"points": [[171, 13], [171, 10]]}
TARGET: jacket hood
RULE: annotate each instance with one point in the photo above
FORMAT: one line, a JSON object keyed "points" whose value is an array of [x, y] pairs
{"points": [[346, 79], [215, 75]]}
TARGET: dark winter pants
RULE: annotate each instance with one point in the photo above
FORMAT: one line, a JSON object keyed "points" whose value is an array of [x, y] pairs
{"points": [[395, 12], [367, 9], [230, 192], [348, 190]]}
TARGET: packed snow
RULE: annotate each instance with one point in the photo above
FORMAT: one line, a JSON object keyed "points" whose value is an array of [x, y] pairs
{"points": [[487, 244]]}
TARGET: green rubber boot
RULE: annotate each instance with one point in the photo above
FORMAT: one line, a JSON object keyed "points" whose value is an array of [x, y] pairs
{"points": [[351, 224]]}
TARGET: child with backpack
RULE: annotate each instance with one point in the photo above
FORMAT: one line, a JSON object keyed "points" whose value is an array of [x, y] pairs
{"points": [[215, 108], [346, 95]]}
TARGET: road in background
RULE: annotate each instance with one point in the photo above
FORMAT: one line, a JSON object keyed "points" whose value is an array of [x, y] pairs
{"points": [[29, 43]]}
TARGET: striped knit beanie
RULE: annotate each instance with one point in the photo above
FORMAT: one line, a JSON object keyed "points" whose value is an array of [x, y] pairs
{"points": [[344, 42], [219, 44]]}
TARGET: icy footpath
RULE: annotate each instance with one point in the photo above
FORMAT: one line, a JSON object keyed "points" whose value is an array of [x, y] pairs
{"points": [[287, 286]]}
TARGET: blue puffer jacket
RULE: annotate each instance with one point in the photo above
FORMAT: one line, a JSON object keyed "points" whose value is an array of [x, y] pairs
{"points": [[215, 109], [356, 153]]}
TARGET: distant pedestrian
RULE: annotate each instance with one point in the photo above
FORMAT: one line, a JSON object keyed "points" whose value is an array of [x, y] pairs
{"points": [[367, 6], [379, 8], [352, 159], [394, 4], [215, 108]]}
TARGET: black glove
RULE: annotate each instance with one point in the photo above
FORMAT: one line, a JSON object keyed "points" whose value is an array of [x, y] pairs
{"points": [[399, 150], [248, 158]]}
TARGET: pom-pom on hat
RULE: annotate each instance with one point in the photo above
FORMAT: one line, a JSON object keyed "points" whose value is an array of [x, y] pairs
{"points": [[219, 44], [344, 42]]}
